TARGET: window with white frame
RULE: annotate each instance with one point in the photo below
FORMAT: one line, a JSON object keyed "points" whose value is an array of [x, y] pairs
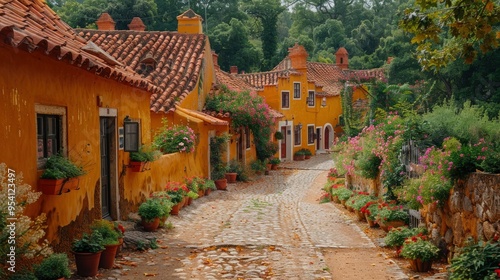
{"points": [[296, 90], [51, 131], [297, 135], [285, 99], [311, 98], [310, 134]]}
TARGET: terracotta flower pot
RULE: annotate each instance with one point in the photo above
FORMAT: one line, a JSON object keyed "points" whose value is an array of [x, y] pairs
{"points": [[370, 222], [386, 226], [420, 266], [221, 184], [136, 166], [274, 167], [87, 264], [151, 225], [72, 183], [208, 191], [335, 199], [361, 216], [107, 259], [189, 201], [120, 240], [231, 177], [201, 193], [175, 209], [50, 186]]}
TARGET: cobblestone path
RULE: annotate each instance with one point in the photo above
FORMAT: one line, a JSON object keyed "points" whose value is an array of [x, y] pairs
{"points": [[270, 228]]}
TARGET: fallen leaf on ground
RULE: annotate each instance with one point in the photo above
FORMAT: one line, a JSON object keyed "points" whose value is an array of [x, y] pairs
{"points": [[149, 274], [207, 261], [128, 263]]}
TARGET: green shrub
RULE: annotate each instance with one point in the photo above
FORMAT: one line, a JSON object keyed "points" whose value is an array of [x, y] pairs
{"points": [[369, 166], [344, 193], [397, 236], [475, 261], [419, 248], [54, 267], [107, 230]]}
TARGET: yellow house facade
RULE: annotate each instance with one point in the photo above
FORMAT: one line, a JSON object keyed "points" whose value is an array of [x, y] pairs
{"points": [[307, 94]]}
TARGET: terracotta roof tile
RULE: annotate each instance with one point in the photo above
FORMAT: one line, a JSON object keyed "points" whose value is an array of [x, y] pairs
{"points": [[259, 80], [33, 26], [231, 81], [170, 60]]}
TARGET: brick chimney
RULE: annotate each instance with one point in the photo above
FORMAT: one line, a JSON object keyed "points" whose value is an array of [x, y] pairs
{"points": [[105, 22], [215, 59], [189, 22], [136, 24], [233, 70], [298, 57], [342, 58]]}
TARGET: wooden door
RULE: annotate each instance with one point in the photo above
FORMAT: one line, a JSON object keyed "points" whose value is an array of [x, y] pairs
{"points": [[283, 142]]}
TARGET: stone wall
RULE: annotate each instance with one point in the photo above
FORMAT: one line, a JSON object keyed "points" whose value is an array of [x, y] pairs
{"points": [[473, 210], [371, 186]]}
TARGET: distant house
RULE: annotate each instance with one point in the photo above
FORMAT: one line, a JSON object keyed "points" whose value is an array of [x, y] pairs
{"points": [[307, 94], [61, 94]]}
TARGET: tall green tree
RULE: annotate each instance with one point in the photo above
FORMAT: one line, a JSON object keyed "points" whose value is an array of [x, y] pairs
{"points": [[231, 43], [267, 11]]}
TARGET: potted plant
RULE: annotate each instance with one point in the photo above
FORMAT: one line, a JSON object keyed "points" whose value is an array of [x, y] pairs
{"points": [[140, 161], [392, 216], [299, 155], [60, 175], [278, 135], [370, 210], [232, 171], [360, 200], [87, 251], [307, 153], [396, 237], [218, 146], [344, 194], [274, 163], [120, 229], [420, 252], [166, 203], [109, 241], [55, 266], [150, 211], [209, 186], [191, 196], [258, 166]]}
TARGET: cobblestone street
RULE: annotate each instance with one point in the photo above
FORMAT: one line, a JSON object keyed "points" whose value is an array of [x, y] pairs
{"points": [[270, 228]]}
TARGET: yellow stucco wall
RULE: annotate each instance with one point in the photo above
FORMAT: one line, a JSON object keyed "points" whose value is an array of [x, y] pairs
{"points": [[299, 112], [29, 79]]}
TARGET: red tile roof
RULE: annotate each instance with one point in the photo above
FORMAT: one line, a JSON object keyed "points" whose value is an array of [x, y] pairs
{"points": [[31, 25], [259, 80], [169, 60], [232, 81]]}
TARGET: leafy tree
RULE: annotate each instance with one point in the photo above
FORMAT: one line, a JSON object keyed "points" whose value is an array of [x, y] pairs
{"points": [[267, 11], [231, 43], [444, 30]]}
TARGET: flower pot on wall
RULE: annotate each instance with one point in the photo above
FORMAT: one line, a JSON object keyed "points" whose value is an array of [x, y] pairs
{"points": [[136, 166], [221, 184], [231, 177], [175, 209], [50, 186], [73, 183], [87, 264]]}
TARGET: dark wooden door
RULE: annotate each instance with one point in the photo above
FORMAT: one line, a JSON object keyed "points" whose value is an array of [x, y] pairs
{"points": [[327, 138], [107, 128], [318, 138], [283, 142]]}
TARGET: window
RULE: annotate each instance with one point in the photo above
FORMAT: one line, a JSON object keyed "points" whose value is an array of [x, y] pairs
{"points": [[297, 135], [285, 99], [48, 130], [311, 99], [296, 90], [310, 134]]}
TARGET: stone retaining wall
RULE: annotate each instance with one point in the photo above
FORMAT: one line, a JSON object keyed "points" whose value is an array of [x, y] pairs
{"points": [[473, 210]]}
